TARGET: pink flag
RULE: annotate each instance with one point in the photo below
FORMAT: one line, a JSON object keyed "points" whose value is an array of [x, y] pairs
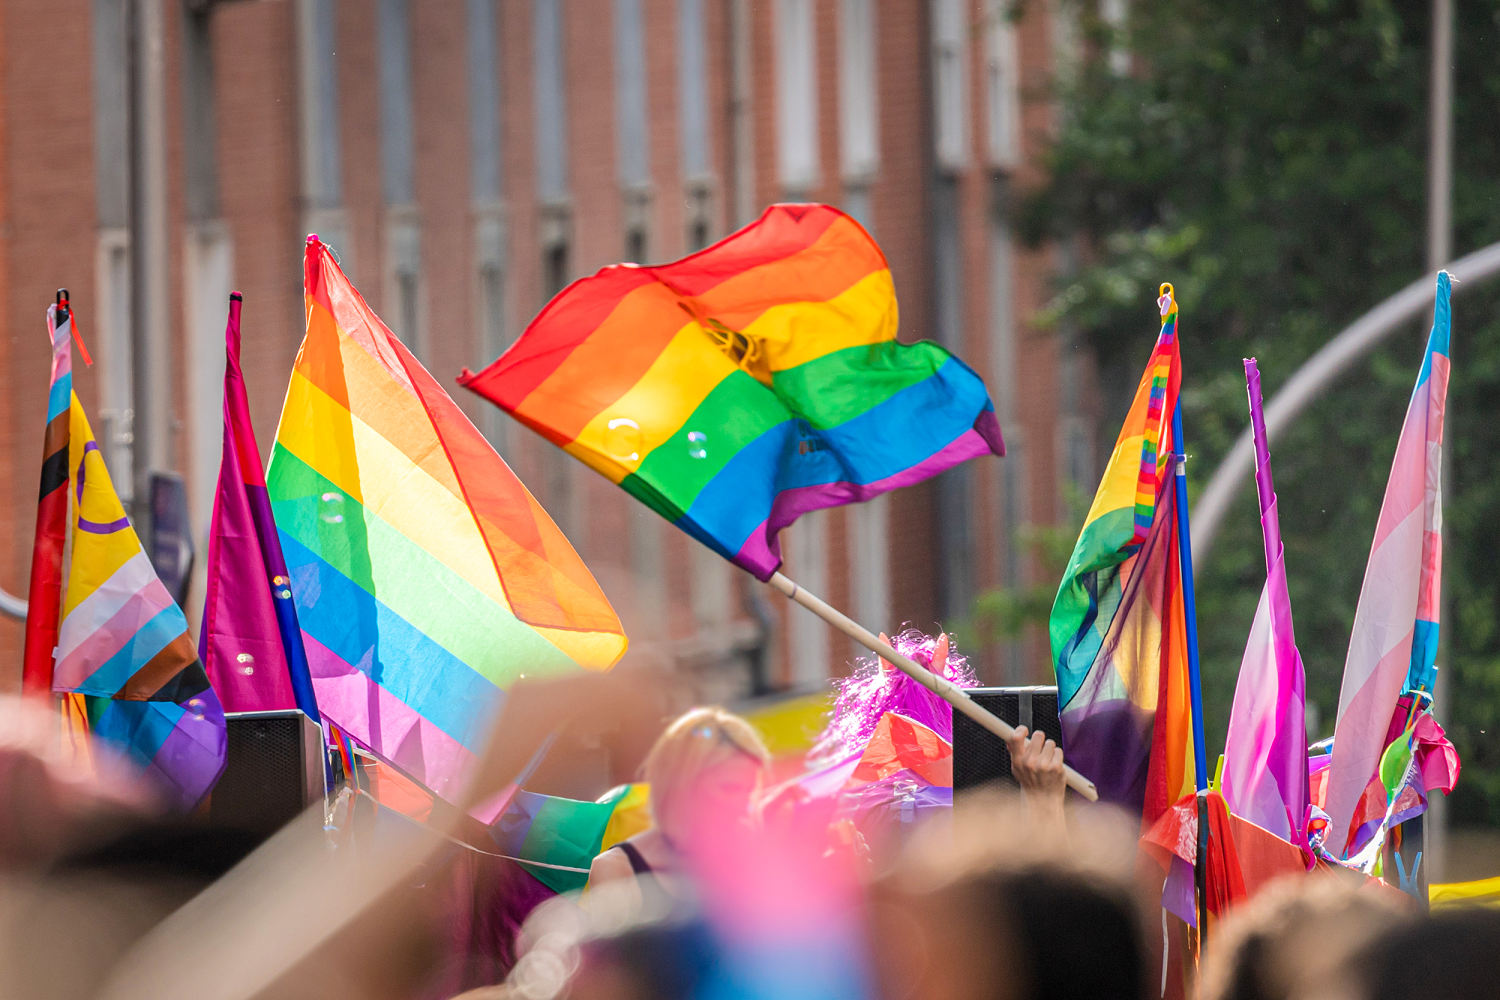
{"points": [[1265, 754], [250, 642], [1394, 642]]}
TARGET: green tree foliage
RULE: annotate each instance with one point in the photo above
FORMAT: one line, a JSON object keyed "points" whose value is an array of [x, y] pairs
{"points": [[1270, 161]]}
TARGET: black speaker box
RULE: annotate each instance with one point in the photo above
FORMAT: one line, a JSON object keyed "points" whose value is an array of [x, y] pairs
{"points": [[979, 756], [274, 771]]}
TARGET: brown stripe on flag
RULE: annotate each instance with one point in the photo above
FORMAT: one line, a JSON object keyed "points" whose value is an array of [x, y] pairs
{"points": [[146, 684]]}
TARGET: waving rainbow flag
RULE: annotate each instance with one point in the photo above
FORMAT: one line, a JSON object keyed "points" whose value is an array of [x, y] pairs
{"points": [[1118, 625], [113, 634], [1394, 642], [747, 384], [425, 576]]}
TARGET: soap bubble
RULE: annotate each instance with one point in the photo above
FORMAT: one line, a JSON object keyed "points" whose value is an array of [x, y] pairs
{"points": [[247, 663], [622, 439], [333, 508], [697, 444]]}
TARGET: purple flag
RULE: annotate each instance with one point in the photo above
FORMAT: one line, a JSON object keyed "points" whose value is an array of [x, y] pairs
{"points": [[1265, 753], [250, 642]]}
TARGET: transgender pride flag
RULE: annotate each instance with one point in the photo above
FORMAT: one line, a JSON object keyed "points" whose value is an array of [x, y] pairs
{"points": [[1394, 642]]}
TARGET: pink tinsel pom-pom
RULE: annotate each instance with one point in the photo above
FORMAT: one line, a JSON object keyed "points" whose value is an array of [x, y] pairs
{"points": [[871, 690]]}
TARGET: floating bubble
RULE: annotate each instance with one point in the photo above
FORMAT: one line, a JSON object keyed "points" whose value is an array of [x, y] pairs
{"points": [[333, 511], [284, 593], [247, 663], [279, 581], [697, 444], [622, 439]]}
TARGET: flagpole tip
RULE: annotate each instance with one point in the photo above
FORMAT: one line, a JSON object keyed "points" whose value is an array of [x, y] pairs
{"points": [[236, 297], [312, 239]]}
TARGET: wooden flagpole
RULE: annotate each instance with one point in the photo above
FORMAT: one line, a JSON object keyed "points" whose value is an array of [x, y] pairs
{"points": [[938, 685]]}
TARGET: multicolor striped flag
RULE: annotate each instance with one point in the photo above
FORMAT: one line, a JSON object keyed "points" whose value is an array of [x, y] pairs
{"points": [[1118, 626], [1265, 752], [44, 594], [120, 640], [747, 384], [250, 642], [1393, 646], [557, 838], [426, 577]]}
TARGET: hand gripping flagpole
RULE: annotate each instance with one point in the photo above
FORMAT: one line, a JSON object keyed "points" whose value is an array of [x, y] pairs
{"points": [[938, 685]]}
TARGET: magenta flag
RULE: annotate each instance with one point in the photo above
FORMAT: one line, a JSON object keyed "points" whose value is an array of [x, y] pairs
{"points": [[1265, 753], [250, 642]]}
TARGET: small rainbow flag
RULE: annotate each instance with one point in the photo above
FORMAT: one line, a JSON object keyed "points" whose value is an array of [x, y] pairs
{"points": [[426, 578], [747, 384], [1118, 625], [113, 636]]}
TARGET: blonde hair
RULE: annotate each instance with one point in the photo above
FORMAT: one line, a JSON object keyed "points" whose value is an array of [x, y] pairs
{"points": [[694, 742]]}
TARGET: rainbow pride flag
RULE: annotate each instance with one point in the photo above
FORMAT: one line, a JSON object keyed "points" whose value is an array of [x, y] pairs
{"points": [[1393, 645], [557, 838], [116, 637], [747, 384], [426, 578], [1118, 625]]}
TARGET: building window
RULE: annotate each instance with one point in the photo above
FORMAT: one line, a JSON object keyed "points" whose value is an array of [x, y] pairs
{"points": [[551, 102], [397, 170], [950, 83], [484, 104], [633, 156], [796, 96], [692, 90], [859, 153], [1002, 89], [807, 562], [404, 278]]}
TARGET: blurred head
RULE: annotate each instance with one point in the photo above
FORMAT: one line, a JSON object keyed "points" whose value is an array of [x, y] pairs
{"points": [[1450, 954], [986, 908], [1294, 937], [708, 764]]}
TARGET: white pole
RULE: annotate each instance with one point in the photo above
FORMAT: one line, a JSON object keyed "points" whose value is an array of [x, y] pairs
{"points": [[940, 686]]}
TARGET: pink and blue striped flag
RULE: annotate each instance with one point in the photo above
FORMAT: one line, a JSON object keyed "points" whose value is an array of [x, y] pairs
{"points": [[121, 642], [1265, 753], [1394, 643], [250, 642]]}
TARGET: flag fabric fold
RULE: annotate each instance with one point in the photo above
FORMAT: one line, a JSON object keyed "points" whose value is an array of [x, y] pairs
{"points": [[249, 642], [426, 578], [1265, 753], [120, 640], [1393, 645], [1118, 625], [747, 384]]}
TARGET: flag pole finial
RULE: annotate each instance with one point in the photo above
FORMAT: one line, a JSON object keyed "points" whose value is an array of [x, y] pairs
{"points": [[1166, 299]]}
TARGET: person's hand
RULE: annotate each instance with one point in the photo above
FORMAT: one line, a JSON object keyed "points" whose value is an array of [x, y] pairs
{"points": [[1036, 762], [1037, 765]]}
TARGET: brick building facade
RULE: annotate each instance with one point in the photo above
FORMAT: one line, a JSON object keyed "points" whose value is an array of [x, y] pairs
{"points": [[466, 158]]}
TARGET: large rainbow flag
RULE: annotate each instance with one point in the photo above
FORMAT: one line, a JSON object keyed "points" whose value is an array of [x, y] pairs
{"points": [[250, 642], [747, 384], [426, 577], [113, 635], [1118, 625], [1393, 646]]}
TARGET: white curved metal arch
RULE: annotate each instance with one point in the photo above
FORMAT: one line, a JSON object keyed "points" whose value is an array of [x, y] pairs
{"points": [[1331, 361]]}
